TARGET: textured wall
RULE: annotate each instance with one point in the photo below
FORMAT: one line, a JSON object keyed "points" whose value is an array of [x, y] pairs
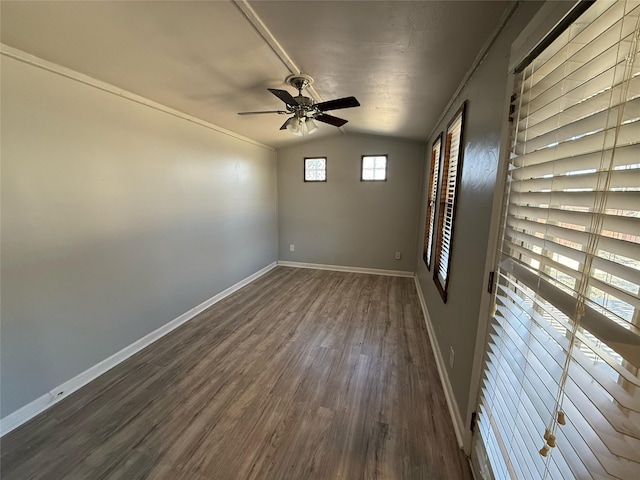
{"points": [[456, 322], [116, 219], [345, 221]]}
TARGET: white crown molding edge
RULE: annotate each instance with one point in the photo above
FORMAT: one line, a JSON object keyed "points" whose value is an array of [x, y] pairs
{"points": [[341, 268], [29, 411], [38, 62], [454, 411]]}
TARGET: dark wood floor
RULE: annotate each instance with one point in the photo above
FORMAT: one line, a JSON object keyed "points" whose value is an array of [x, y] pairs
{"points": [[303, 374]]}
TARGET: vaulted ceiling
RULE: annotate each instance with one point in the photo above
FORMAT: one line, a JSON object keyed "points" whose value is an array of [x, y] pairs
{"points": [[212, 59]]}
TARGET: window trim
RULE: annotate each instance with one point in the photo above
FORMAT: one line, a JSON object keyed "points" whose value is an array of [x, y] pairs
{"points": [[386, 168], [431, 203], [304, 169], [444, 178]]}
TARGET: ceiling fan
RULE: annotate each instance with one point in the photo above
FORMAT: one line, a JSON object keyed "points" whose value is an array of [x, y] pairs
{"points": [[304, 109]]}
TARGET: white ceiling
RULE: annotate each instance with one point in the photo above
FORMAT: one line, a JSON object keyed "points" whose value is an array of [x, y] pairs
{"points": [[402, 60]]}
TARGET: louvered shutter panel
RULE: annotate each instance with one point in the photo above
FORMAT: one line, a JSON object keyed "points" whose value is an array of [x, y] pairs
{"points": [[451, 170], [431, 202]]}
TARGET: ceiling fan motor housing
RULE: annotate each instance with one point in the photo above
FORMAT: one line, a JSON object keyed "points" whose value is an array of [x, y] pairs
{"points": [[305, 107]]}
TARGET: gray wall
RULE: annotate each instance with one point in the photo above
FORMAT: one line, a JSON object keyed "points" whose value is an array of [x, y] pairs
{"points": [[456, 322], [116, 219], [345, 221]]}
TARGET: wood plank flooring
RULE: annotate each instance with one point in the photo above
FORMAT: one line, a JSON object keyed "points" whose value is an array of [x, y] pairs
{"points": [[302, 374]]}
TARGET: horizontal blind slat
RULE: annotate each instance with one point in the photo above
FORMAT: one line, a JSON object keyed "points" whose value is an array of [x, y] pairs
{"points": [[587, 99], [618, 225], [533, 390], [578, 56], [601, 84], [599, 160], [627, 135], [610, 64], [587, 374], [623, 341], [595, 20], [561, 235], [554, 322], [620, 179], [576, 128], [615, 200], [628, 249], [544, 262]]}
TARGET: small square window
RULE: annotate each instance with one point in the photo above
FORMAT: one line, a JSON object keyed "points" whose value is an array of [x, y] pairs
{"points": [[315, 169], [374, 168]]}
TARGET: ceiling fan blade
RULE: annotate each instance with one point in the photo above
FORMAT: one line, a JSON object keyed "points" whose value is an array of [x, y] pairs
{"points": [[263, 111], [346, 102], [284, 96], [331, 120], [284, 125]]}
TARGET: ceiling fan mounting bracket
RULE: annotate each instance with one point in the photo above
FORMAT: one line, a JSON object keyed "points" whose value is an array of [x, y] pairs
{"points": [[299, 81]]}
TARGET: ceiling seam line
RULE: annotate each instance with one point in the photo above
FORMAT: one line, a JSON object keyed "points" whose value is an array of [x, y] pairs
{"points": [[262, 30], [257, 23], [266, 35]]}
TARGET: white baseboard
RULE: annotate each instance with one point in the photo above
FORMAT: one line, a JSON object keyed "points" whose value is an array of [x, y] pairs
{"points": [[454, 411], [340, 268], [26, 413]]}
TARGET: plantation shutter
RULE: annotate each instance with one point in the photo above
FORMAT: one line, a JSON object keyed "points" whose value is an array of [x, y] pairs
{"points": [[431, 203], [560, 396], [451, 170]]}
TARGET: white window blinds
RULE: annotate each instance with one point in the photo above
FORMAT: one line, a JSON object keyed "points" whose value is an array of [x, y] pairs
{"points": [[561, 392], [451, 170], [431, 201]]}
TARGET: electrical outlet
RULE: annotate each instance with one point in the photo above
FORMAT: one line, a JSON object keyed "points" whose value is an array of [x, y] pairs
{"points": [[292, 248], [53, 395], [451, 356], [397, 255]]}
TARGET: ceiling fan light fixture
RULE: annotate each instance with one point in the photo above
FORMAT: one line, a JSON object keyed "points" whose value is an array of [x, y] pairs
{"points": [[302, 125], [294, 126], [305, 110], [311, 126]]}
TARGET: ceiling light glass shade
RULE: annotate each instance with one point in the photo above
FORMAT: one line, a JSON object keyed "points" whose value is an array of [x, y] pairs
{"points": [[293, 125], [303, 125], [311, 126]]}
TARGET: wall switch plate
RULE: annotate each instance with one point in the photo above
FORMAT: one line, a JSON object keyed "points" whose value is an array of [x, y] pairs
{"points": [[451, 356], [292, 248], [397, 255]]}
